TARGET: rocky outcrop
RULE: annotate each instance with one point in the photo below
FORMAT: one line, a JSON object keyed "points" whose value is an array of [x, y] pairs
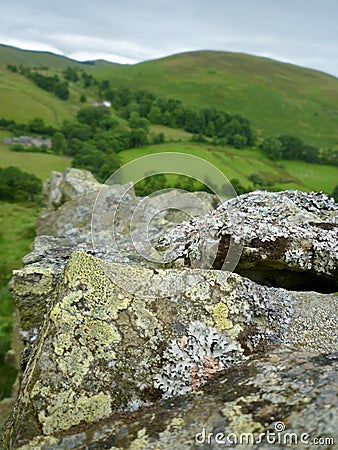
{"points": [[285, 238], [124, 353], [284, 399]]}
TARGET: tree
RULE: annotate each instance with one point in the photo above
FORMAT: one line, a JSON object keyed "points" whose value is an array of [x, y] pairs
{"points": [[239, 141], [101, 165], [150, 184], [136, 121], [18, 186], [93, 115], [83, 98], [36, 125], [310, 154], [273, 148], [76, 130], [138, 137], [157, 138], [292, 147], [239, 188], [59, 143], [259, 180], [61, 90], [71, 74]]}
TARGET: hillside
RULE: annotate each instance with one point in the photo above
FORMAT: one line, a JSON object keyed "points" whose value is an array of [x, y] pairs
{"points": [[277, 98], [13, 55], [21, 100]]}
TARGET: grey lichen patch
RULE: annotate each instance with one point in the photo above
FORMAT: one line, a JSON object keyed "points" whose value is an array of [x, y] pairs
{"points": [[307, 322], [289, 229], [197, 356]]}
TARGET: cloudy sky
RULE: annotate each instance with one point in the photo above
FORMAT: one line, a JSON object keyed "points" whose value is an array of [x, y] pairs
{"points": [[303, 32]]}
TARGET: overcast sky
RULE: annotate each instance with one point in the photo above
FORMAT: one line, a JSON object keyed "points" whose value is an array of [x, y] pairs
{"points": [[303, 32]]}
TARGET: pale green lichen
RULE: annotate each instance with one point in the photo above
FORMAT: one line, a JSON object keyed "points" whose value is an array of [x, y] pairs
{"points": [[238, 421], [141, 441], [67, 409], [222, 322]]}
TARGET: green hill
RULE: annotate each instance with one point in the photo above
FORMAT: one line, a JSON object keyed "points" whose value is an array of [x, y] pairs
{"points": [[21, 100], [277, 98], [13, 55]]}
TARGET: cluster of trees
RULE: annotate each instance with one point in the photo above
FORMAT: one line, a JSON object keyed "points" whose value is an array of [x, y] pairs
{"points": [[95, 139], [219, 125], [19, 186], [292, 147], [289, 147], [35, 126], [52, 84]]}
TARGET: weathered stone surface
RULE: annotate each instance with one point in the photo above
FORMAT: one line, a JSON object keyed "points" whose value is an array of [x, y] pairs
{"points": [[105, 349], [121, 351], [62, 187], [275, 233], [296, 388]]}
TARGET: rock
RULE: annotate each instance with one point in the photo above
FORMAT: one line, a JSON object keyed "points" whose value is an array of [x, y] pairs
{"points": [[122, 351], [103, 348], [287, 239], [62, 187], [284, 389]]}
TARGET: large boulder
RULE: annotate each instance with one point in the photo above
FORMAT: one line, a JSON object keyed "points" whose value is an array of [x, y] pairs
{"points": [[287, 239], [106, 346], [125, 347], [282, 399]]}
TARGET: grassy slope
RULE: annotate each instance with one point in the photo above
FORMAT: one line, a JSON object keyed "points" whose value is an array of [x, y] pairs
{"points": [[22, 100], [13, 55], [278, 98], [39, 164], [16, 235], [241, 164]]}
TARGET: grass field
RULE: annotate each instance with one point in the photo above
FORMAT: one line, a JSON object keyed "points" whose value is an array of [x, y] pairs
{"points": [[17, 223], [21, 101], [39, 164], [171, 134], [241, 164]]}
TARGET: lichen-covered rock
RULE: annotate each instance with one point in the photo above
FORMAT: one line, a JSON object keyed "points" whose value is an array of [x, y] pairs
{"points": [[120, 226], [272, 235], [62, 187], [121, 351], [104, 348], [284, 399]]}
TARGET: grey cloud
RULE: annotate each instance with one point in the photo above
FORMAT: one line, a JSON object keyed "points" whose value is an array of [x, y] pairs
{"points": [[302, 32]]}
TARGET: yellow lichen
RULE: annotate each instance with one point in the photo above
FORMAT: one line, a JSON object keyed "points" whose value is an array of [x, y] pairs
{"points": [[141, 441], [238, 421], [66, 409], [221, 317]]}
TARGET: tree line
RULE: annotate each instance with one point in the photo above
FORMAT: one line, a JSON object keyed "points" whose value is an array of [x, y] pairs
{"points": [[19, 186], [291, 148]]}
